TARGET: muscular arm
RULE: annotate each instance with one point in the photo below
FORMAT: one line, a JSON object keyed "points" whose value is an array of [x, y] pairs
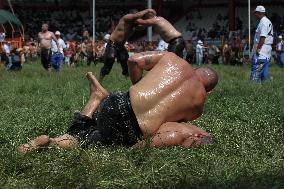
{"points": [[147, 22], [142, 61], [260, 44], [140, 14], [53, 37], [177, 134]]}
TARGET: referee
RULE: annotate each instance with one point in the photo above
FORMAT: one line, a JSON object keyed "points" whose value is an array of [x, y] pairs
{"points": [[263, 41]]}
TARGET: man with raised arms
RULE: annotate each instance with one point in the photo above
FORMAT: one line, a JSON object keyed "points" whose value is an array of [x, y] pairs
{"points": [[115, 45]]}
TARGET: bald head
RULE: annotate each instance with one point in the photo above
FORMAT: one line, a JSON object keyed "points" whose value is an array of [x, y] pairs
{"points": [[208, 77]]}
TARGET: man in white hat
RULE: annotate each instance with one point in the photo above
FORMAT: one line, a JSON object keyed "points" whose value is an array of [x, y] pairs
{"points": [[280, 51], [263, 41], [57, 55], [199, 52]]}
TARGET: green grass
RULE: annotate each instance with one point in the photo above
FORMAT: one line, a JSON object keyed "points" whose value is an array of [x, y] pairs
{"points": [[246, 120]]}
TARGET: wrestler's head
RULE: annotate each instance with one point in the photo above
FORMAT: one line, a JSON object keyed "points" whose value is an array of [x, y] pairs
{"points": [[44, 27], [208, 77]]}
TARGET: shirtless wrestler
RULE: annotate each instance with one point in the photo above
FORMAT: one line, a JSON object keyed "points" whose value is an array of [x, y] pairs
{"points": [[155, 110], [44, 38], [115, 46]]}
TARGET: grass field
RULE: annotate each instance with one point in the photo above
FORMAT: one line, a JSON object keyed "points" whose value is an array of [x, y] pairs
{"points": [[246, 120]]}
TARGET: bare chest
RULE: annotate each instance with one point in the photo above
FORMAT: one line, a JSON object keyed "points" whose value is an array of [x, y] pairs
{"points": [[45, 36]]}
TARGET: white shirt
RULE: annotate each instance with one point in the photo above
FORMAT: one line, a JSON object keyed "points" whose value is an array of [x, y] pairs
{"points": [[162, 46], [199, 49], [6, 48], [61, 44], [264, 29], [279, 45], [2, 37]]}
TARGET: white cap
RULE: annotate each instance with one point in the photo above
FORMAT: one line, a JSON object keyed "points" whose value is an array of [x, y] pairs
{"points": [[106, 37], [280, 36], [199, 42], [57, 33], [260, 8]]}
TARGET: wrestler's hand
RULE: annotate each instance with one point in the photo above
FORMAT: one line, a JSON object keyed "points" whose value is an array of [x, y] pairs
{"points": [[152, 11]]}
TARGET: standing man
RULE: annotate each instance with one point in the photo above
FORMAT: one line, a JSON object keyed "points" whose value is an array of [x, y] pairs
{"points": [[190, 51], [280, 51], [199, 52], [262, 46], [167, 32], [2, 37], [115, 46], [44, 38], [7, 54], [57, 54]]}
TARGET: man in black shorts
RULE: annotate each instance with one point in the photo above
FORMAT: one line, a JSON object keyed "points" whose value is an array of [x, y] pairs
{"points": [[115, 45], [156, 107], [45, 38]]}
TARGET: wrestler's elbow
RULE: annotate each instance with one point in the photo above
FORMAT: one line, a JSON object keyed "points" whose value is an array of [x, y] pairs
{"points": [[133, 62], [130, 61]]}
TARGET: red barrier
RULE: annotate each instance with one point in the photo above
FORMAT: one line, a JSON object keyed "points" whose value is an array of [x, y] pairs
{"points": [[15, 42]]}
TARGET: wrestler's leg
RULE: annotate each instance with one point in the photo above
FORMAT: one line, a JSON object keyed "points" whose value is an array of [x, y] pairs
{"points": [[97, 94], [43, 55], [122, 58], [35, 144], [108, 59], [48, 60], [64, 141]]}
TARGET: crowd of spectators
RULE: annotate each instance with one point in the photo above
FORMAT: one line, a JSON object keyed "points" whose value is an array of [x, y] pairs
{"points": [[73, 23], [70, 21]]}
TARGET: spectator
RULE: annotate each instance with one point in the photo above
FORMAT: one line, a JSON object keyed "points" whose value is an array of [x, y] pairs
{"points": [[2, 36], [199, 52], [6, 48], [190, 52], [280, 51], [57, 55], [162, 45]]}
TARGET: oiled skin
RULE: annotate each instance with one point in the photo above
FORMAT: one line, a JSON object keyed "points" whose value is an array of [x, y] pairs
{"points": [[162, 27], [45, 39], [170, 92], [126, 26]]}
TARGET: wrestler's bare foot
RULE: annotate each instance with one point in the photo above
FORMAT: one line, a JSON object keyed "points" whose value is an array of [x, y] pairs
{"points": [[34, 144], [96, 89]]}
